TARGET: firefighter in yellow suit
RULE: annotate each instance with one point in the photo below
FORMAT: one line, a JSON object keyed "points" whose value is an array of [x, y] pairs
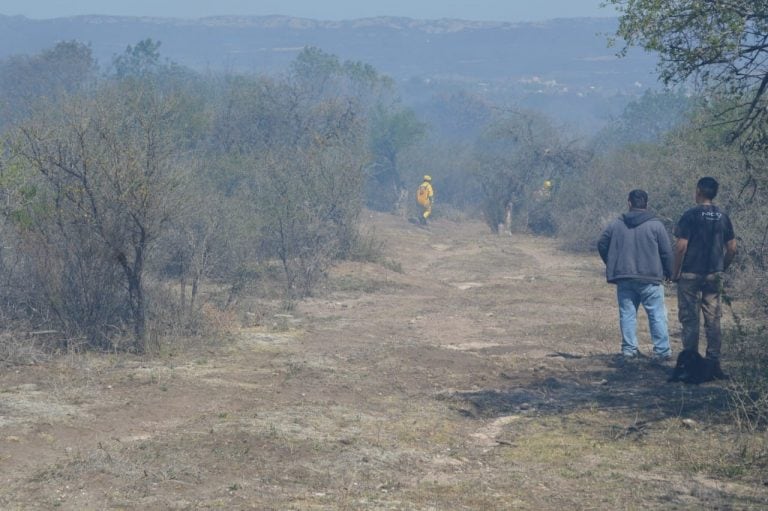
{"points": [[425, 196]]}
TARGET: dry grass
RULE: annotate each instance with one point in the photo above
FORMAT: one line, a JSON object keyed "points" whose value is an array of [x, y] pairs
{"points": [[16, 350], [387, 394]]}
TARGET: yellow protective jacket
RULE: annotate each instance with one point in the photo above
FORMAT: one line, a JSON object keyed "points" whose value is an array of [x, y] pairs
{"points": [[425, 193]]}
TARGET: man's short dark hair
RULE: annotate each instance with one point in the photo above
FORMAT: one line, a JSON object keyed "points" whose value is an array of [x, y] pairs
{"points": [[708, 187], [638, 199]]}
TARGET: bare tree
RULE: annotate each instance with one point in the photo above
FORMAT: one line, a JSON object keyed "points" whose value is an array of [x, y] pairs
{"points": [[514, 156], [310, 194], [109, 175]]}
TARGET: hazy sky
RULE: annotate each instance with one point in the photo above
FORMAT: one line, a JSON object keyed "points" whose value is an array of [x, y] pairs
{"points": [[500, 10]]}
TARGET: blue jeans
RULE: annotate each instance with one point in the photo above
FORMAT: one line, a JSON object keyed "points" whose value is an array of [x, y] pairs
{"points": [[632, 293]]}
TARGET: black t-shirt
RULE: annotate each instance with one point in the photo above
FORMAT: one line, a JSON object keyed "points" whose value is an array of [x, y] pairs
{"points": [[707, 230]]}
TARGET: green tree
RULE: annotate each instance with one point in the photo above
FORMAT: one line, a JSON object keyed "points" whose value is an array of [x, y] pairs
{"points": [[392, 131], [647, 120], [718, 45], [65, 69], [319, 76], [322, 75], [139, 60]]}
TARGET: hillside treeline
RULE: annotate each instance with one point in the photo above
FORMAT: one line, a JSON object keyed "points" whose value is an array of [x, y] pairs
{"points": [[138, 195], [127, 190]]}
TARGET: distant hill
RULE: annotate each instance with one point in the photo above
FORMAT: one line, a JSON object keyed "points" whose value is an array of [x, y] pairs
{"points": [[549, 63], [571, 52]]}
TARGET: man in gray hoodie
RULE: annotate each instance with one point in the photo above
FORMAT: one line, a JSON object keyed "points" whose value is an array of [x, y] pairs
{"points": [[638, 258]]}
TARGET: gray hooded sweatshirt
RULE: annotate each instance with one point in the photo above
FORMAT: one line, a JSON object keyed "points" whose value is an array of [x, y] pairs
{"points": [[636, 246]]}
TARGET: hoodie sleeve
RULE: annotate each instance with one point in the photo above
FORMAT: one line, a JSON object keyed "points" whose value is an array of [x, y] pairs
{"points": [[665, 250], [604, 243]]}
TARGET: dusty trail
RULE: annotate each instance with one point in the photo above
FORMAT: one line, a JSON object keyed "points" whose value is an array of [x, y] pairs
{"points": [[479, 377]]}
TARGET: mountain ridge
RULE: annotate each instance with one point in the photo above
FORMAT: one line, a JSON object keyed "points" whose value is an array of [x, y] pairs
{"points": [[231, 35], [273, 20], [555, 65]]}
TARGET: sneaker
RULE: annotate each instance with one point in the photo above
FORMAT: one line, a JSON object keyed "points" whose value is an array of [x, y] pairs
{"points": [[662, 360]]}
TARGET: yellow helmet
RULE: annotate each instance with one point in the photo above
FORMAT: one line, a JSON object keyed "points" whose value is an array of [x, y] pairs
{"points": [[547, 184], [427, 178]]}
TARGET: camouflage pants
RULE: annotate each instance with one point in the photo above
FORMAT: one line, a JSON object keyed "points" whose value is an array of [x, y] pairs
{"points": [[696, 292]]}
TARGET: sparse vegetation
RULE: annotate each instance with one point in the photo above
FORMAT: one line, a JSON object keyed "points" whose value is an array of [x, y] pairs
{"points": [[386, 396], [188, 264]]}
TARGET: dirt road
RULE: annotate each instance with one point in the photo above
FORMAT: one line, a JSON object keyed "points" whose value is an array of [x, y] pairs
{"points": [[481, 376]]}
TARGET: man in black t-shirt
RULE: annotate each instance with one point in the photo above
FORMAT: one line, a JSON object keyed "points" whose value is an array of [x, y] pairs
{"points": [[705, 248]]}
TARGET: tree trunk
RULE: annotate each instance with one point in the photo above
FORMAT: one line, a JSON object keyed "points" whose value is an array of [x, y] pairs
{"points": [[136, 295]]}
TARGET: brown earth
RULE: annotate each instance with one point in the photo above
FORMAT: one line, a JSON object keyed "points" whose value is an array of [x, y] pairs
{"points": [[479, 377]]}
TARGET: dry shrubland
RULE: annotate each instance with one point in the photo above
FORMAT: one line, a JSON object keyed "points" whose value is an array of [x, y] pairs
{"points": [[148, 203]]}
